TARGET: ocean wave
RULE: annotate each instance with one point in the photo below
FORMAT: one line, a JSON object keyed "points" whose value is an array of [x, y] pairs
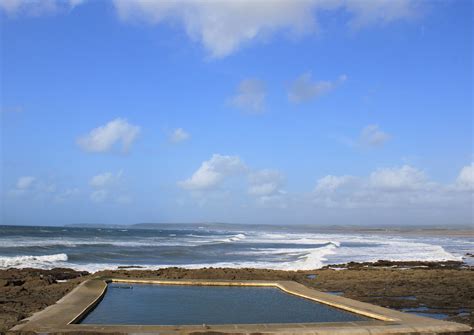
{"points": [[171, 240], [43, 261], [72, 243], [233, 238], [253, 249]]}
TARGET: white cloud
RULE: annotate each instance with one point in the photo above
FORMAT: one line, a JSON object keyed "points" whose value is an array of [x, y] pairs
{"points": [[373, 136], [265, 183], [331, 183], [304, 89], [366, 13], [24, 183], [250, 96], [396, 187], [212, 172], [103, 138], [220, 178], [34, 188], [398, 178], [465, 179], [385, 191], [37, 7], [105, 179], [179, 135], [223, 27]]}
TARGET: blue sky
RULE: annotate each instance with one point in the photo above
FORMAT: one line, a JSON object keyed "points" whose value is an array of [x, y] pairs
{"points": [[343, 112]]}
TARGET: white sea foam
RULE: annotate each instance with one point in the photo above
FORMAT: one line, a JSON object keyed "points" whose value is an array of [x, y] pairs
{"points": [[256, 250], [188, 240], [42, 262], [233, 238]]}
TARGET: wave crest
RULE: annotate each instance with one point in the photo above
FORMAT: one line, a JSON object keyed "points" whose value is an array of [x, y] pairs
{"points": [[44, 261]]}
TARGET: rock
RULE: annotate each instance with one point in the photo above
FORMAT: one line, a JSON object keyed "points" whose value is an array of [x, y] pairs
{"points": [[15, 282]]}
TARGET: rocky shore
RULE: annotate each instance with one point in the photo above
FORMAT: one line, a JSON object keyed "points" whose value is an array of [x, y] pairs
{"points": [[434, 288]]}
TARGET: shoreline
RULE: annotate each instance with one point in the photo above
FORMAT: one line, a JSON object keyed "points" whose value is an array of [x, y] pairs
{"points": [[431, 287]]}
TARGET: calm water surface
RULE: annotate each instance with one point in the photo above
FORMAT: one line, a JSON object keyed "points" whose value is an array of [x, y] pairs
{"points": [[186, 305]]}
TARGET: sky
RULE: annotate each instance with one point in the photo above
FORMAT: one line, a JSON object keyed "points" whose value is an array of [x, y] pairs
{"points": [[345, 112]]}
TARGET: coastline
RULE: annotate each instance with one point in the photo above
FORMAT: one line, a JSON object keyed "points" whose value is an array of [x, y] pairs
{"points": [[433, 287]]}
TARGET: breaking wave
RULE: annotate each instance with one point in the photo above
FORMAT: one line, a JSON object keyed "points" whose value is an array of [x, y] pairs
{"points": [[42, 262], [93, 251]]}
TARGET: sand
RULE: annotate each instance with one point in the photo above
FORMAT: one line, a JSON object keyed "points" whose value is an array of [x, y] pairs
{"points": [[446, 288]]}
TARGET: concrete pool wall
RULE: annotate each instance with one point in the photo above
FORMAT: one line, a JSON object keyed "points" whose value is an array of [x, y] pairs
{"points": [[63, 317]]}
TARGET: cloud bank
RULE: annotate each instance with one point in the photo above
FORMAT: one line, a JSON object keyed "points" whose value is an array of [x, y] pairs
{"points": [[395, 187]]}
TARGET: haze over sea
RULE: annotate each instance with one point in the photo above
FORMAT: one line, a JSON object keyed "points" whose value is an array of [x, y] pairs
{"points": [[219, 245]]}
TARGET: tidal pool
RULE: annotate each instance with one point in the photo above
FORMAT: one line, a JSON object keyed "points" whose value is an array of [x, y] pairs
{"points": [[149, 304]]}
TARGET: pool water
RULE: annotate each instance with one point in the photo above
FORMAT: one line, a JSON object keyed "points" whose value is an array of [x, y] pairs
{"points": [[148, 304]]}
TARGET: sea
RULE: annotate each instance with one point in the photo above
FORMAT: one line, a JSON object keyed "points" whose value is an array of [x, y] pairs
{"points": [[196, 246]]}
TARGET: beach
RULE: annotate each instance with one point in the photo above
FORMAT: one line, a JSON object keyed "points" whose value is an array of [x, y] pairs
{"points": [[437, 289]]}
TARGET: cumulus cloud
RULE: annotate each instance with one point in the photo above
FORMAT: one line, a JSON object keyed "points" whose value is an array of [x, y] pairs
{"points": [[250, 96], [179, 135], [212, 172], [373, 136], [221, 176], [383, 190], [37, 7], [104, 138], [265, 183], [222, 27], [465, 179], [304, 88]]}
